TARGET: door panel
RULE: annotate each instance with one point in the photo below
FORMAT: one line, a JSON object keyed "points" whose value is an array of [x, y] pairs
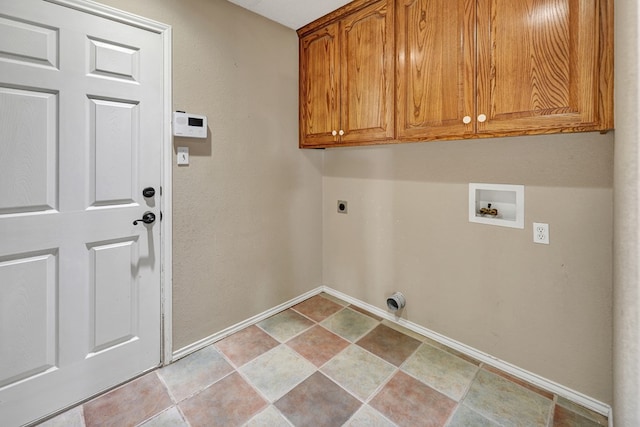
{"points": [[112, 60], [28, 42], [366, 77], [113, 293], [28, 316], [28, 159], [113, 137], [81, 126], [319, 114], [536, 65], [436, 68]]}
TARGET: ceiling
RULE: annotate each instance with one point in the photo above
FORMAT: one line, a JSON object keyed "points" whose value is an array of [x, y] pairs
{"points": [[291, 13]]}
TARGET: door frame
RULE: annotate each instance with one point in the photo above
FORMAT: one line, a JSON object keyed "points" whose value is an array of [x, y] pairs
{"points": [[164, 30]]}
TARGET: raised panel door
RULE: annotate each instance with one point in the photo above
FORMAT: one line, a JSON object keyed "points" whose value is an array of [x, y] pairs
{"points": [[319, 87], [366, 77], [539, 66], [435, 68], [81, 124]]}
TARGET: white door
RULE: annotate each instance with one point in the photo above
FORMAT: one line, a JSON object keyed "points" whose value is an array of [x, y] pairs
{"points": [[81, 123]]}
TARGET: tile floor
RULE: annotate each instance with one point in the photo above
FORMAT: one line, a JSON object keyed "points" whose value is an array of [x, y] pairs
{"points": [[326, 363]]}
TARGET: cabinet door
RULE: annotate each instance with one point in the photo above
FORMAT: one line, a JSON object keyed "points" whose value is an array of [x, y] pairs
{"points": [[539, 65], [366, 77], [319, 87], [435, 68]]}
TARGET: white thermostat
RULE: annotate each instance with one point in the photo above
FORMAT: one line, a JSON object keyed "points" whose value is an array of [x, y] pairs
{"points": [[189, 125]]}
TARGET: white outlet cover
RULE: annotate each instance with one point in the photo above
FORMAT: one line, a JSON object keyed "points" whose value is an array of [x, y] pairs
{"points": [[541, 233]]}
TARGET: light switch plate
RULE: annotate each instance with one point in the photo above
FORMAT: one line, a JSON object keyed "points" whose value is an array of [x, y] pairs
{"points": [[183, 156]]}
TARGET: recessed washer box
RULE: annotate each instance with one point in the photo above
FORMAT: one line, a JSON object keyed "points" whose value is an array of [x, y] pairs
{"points": [[497, 204]]}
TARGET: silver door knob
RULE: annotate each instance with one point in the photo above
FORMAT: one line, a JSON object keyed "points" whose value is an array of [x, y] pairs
{"points": [[466, 120], [482, 118], [341, 132], [334, 132]]}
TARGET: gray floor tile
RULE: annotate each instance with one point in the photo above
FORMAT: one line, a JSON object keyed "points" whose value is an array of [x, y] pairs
{"points": [[277, 371], [194, 372], [169, 418], [71, 418], [368, 417], [466, 417], [358, 371], [507, 403], [285, 325], [349, 324], [318, 402], [269, 417], [581, 410], [443, 371]]}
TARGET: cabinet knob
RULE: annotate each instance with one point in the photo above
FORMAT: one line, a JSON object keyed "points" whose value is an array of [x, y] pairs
{"points": [[466, 120], [341, 132], [334, 132], [482, 118]]}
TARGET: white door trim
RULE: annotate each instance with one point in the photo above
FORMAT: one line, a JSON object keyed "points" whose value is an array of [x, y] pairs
{"points": [[91, 7]]}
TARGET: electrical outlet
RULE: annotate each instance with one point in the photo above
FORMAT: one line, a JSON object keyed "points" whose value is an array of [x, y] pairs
{"points": [[541, 233]]}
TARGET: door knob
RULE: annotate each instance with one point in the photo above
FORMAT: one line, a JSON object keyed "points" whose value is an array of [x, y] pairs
{"points": [[147, 218], [149, 192]]}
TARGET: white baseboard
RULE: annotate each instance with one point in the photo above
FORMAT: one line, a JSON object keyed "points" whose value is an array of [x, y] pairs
{"points": [[543, 383], [198, 345]]}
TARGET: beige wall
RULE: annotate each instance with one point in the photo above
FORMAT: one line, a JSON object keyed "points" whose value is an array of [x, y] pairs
{"points": [[247, 209], [626, 344], [546, 309]]}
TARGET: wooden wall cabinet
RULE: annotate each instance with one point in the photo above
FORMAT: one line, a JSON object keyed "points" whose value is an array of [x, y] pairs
{"points": [[346, 77], [463, 69], [471, 69]]}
